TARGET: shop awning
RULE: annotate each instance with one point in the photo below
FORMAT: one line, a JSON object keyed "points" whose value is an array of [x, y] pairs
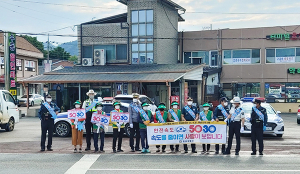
{"points": [[120, 73]]}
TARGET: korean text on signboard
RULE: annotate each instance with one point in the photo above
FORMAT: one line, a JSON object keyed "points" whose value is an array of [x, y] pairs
{"points": [[186, 132], [294, 70], [76, 113], [12, 63], [284, 36], [119, 117]]}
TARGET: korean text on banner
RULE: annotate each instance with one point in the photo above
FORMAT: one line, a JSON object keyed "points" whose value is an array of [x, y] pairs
{"points": [[204, 132], [78, 113], [99, 118], [122, 117]]}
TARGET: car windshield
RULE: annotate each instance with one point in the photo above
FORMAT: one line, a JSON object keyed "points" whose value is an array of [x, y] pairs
{"points": [[248, 108], [25, 96], [109, 108], [124, 99]]}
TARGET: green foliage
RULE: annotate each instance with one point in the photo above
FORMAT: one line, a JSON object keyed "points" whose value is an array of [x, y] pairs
{"points": [[59, 53], [73, 59], [39, 45]]}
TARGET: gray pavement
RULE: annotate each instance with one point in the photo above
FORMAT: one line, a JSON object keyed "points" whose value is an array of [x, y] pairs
{"points": [[19, 150]]}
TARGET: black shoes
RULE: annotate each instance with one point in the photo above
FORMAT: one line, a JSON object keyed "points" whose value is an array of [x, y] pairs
{"points": [[260, 153], [50, 149], [87, 148], [253, 153], [194, 151], [237, 153], [138, 150], [226, 153], [114, 151], [186, 151], [217, 152], [120, 150], [163, 151], [42, 150], [132, 150]]}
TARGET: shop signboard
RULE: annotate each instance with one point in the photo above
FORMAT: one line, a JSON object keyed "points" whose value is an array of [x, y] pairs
{"points": [[294, 70], [12, 64], [284, 36]]}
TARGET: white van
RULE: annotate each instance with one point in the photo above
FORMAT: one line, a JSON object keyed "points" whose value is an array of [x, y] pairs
{"points": [[9, 112]]}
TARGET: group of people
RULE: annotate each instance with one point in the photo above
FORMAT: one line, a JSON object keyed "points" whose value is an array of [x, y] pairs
{"points": [[140, 116]]}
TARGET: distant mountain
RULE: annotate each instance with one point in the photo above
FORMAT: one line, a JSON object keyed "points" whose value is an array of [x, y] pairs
{"points": [[71, 47]]}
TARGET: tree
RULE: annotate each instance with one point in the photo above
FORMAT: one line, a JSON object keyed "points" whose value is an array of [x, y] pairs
{"points": [[59, 53], [73, 59], [39, 45]]}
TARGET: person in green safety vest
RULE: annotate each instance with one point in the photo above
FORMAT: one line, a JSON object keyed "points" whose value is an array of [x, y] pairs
{"points": [[118, 129], [144, 119], [174, 115], [161, 116], [206, 115]]}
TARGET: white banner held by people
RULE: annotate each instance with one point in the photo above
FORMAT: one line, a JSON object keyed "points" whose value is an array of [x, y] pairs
{"points": [[99, 118], [122, 117], [204, 132]]}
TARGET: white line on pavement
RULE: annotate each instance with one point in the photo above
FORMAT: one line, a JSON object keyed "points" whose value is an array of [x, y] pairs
{"points": [[83, 165], [198, 170]]}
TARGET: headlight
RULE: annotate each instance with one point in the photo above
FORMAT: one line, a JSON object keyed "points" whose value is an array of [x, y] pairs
{"points": [[280, 120]]}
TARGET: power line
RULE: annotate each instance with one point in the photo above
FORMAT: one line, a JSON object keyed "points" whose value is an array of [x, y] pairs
{"points": [[168, 16], [69, 5], [241, 13]]}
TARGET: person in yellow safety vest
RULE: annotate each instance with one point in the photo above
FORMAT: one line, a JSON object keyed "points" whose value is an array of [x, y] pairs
{"points": [[89, 106], [118, 129], [174, 115]]}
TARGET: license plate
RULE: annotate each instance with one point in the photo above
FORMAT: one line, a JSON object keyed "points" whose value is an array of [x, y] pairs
{"points": [[268, 128]]}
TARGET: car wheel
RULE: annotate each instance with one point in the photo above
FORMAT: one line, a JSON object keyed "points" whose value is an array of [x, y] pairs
{"points": [[10, 125], [298, 121], [62, 129], [127, 130], [279, 135], [32, 103]]}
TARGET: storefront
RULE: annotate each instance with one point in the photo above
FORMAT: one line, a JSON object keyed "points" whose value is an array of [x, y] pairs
{"points": [[255, 62]]}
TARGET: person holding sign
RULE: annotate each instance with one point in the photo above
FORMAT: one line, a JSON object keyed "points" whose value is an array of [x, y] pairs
{"points": [[89, 106], [174, 115], [118, 129], [220, 114], [47, 114], [77, 129], [161, 116], [189, 113], [205, 115], [259, 121], [134, 114], [144, 119], [236, 115], [98, 128]]}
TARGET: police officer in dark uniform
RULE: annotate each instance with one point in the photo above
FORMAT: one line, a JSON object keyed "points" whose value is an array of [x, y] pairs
{"points": [[218, 116], [186, 116], [47, 123], [88, 124], [258, 126]]}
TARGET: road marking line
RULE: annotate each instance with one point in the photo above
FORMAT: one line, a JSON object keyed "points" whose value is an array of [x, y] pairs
{"points": [[83, 165], [199, 170]]}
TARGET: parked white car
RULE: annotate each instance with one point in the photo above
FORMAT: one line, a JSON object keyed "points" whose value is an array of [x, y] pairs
{"points": [[34, 99], [127, 99], [275, 124], [9, 112]]}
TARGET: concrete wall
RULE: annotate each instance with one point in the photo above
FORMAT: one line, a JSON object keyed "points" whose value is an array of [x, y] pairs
{"points": [[286, 107]]}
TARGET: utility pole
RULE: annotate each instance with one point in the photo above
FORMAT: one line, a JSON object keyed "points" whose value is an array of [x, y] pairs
{"points": [[48, 48]]}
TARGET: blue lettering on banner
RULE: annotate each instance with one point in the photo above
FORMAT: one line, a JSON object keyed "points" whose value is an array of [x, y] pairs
{"points": [[158, 137], [164, 137], [180, 129], [153, 137], [80, 114]]}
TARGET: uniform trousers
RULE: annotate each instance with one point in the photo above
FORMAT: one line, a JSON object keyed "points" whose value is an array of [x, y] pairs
{"points": [[192, 145], [88, 128], [144, 140], [96, 137], [135, 131], [47, 125], [257, 134], [117, 135], [77, 137], [234, 129]]}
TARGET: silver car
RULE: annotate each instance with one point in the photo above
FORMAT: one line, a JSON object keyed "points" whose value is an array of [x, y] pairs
{"points": [[275, 123], [298, 115], [34, 99]]}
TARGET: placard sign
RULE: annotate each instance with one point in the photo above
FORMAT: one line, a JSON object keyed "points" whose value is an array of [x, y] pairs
{"points": [[187, 133], [284, 59], [76, 113], [99, 118], [122, 117], [12, 64]]}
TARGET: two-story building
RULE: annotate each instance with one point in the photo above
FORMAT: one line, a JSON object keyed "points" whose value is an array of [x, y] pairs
{"points": [[256, 62], [26, 64], [131, 52]]}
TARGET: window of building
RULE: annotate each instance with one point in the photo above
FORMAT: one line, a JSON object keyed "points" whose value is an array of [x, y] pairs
{"points": [[245, 90], [282, 55], [142, 28], [204, 55], [282, 92], [234, 57], [113, 52]]}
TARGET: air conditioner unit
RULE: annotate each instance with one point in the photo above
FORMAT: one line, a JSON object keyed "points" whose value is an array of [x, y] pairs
{"points": [[87, 62], [99, 57]]}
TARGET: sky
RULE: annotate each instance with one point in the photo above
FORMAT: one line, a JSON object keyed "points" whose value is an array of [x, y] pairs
{"points": [[37, 16]]}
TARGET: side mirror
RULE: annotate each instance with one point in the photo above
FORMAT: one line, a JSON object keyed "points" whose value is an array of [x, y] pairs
{"points": [[278, 112]]}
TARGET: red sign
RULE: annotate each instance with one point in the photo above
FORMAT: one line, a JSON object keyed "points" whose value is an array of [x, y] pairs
{"points": [[175, 98], [186, 92]]}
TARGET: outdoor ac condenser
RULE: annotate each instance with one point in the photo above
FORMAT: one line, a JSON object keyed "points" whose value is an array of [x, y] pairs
{"points": [[87, 62], [99, 57]]}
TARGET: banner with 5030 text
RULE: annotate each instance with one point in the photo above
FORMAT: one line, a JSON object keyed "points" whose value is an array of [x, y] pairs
{"points": [[187, 133]]}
